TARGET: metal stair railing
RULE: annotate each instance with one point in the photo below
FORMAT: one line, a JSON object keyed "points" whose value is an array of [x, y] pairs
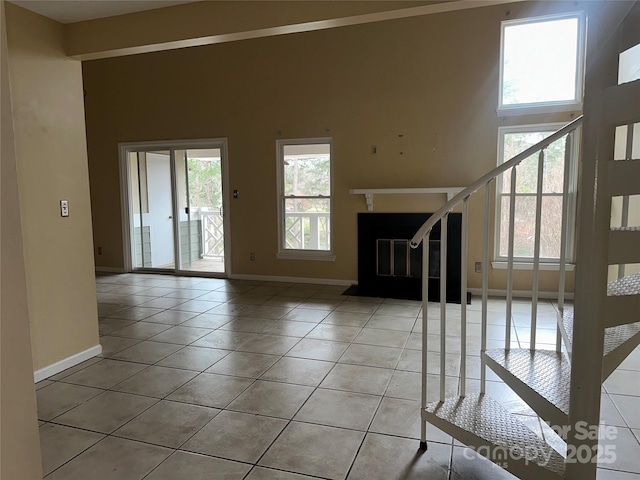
{"points": [[441, 215]]}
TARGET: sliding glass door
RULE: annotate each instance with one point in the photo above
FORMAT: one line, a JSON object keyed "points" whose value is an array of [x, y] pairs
{"points": [[201, 212], [176, 197], [152, 206]]}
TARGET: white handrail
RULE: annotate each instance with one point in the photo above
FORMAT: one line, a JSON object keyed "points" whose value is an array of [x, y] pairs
{"points": [[484, 180]]}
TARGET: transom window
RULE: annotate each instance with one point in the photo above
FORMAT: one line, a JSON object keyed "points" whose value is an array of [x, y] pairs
{"points": [[304, 198], [542, 62], [514, 140]]}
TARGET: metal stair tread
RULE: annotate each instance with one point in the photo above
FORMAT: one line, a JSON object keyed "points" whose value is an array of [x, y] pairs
{"points": [[629, 285], [626, 229], [546, 372], [614, 337], [486, 419]]}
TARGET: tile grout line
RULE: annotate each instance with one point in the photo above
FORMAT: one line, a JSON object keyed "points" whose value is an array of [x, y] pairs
{"points": [[281, 356]]}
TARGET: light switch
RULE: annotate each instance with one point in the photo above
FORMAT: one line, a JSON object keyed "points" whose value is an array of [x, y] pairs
{"points": [[64, 208]]}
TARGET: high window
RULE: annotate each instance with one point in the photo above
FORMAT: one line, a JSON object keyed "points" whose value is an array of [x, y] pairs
{"points": [[541, 71], [513, 140], [304, 198], [542, 63]]}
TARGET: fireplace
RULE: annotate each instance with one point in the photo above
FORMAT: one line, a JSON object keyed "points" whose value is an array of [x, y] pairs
{"points": [[389, 267]]}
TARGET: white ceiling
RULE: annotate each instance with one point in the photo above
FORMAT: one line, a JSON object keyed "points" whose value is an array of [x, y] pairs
{"points": [[70, 11]]}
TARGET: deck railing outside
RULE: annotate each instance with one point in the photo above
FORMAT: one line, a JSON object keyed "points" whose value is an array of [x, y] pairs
{"points": [[212, 234], [307, 230]]}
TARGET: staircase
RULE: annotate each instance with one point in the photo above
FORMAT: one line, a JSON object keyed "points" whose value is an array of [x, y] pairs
{"points": [[594, 335]]}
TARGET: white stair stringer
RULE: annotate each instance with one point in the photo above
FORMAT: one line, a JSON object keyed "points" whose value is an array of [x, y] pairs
{"points": [[619, 341], [541, 378], [623, 245], [483, 424]]}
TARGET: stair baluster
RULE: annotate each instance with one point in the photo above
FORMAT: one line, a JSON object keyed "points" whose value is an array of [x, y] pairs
{"points": [[536, 252], [512, 225], [443, 305], [463, 297]]}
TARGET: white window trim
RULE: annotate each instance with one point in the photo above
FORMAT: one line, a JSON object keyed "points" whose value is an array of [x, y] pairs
{"points": [[297, 254], [572, 105], [572, 199]]}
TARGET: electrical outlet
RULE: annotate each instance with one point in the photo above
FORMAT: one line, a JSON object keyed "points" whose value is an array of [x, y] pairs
{"points": [[252, 256], [478, 267], [99, 250]]}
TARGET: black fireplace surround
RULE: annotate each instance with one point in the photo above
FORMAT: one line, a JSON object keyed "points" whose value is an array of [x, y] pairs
{"points": [[389, 267]]}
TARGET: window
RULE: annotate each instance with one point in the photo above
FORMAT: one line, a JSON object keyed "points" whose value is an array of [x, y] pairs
{"points": [[513, 140], [629, 65], [541, 63], [304, 199]]}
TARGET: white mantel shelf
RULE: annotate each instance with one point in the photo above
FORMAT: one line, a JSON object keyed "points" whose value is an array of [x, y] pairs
{"points": [[370, 192]]}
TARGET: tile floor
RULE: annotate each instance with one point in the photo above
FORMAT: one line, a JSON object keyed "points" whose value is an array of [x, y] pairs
{"points": [[214, 379]]}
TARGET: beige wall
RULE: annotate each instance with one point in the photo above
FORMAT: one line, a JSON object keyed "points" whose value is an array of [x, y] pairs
{"points": [[20, 455], [433, 79], [52, 165]]}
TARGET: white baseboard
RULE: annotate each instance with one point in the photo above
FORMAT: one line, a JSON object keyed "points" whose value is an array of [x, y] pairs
{"points": [[68, 362], [520, 294], [275, 278], [110, 269]]}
